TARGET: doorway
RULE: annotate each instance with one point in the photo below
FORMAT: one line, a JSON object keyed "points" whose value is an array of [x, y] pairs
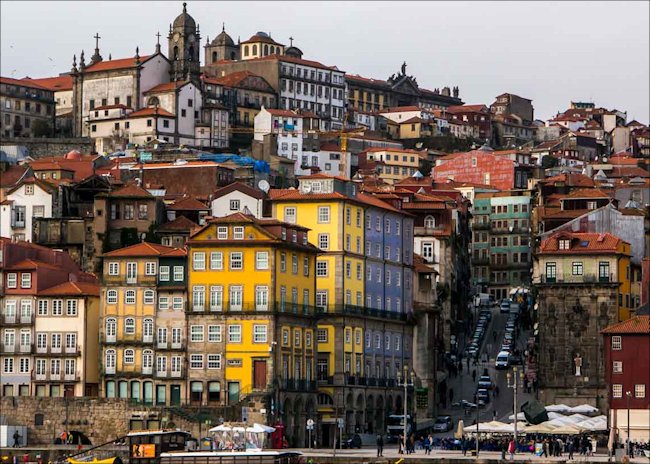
{"points": [[259, 374], [233, 392], [175, 398]]}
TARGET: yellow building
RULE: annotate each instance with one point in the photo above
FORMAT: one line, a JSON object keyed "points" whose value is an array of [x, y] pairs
{"points": [[393, 164], [251, 315], [416, 128], [588, 258], [143, 357]]}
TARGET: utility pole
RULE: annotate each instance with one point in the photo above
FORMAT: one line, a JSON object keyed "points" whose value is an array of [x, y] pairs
{"points": [[628, 395], [513, 385], [405, 383]]}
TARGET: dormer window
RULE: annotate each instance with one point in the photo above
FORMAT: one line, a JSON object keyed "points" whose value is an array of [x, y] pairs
{"points": [[294, 236], [565, 244], [284, 233], [222, 233], [238, 233], [316, 187]]}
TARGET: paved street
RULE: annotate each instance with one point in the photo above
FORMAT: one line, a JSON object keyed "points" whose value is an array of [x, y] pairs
{"points": [[464, 387]]}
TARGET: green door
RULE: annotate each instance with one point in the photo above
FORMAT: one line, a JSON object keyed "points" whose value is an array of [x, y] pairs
{"points": [[233, 392], [175, 395]]}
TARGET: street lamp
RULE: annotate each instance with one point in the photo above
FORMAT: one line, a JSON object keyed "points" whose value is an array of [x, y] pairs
{"points": [[513, 377], [628, 395], [404, 382]]}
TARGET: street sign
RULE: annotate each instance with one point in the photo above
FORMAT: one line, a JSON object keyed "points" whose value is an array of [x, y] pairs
{"points": [[340, 423], [244, 414], [310, 424]]}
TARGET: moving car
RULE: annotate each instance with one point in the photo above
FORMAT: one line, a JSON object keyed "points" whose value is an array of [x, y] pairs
{"points": [[484, 381], [503, 360], [482, 396], [442, 424], [505, 306], [464, 404]]}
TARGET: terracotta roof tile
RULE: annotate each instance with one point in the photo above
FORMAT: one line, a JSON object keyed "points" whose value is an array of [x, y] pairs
{"points": [[166, 87], [58, 83], [635, 325], [400, 109], [457, 109], [582, 243], [181, 223], [31, 264], [13, 175], [570, 179], [72, 288], [584, 193], [144, 112], [285, 113], [130, 190], [112, 65], [238, 186], [145, 249], [188, 204], [111, 107], [22, 82]]}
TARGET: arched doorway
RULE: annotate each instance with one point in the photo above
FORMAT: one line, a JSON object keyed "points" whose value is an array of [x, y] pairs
{"points": [[370, 414], [359, 422], [389, 405], [399, 406], [287, 418], [349, 413], [299, 424], [380, 415]]}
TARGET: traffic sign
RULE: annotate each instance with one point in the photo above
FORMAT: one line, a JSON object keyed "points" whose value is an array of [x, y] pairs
{"points": [[341, 423], [310, 422]]}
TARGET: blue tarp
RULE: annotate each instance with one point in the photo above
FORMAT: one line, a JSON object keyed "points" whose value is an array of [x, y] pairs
{"points": [[258, 165]]}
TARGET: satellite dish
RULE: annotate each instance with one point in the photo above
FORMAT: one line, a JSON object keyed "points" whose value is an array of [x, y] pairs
{"points": [[418, 145], [306, 188], [264, 186], [604, 159]]}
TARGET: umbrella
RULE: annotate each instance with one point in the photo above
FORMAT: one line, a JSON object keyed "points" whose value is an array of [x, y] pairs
{"points": [[560, 421], [575, 418], [510, 428], [557, 408], [520, 416], [460, 431], [266, 428], [583, 409], [612, 438], [238, 428], [221, 428], [539, 428], [567, 430]]}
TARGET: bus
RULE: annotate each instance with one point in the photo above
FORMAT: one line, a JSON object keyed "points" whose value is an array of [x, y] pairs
{"points": [[146, 446], [232, 457]]}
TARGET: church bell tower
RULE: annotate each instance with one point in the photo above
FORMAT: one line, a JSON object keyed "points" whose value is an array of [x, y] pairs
{"points": [[184, 46]]}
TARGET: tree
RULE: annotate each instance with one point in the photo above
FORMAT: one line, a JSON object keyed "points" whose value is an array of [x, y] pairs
{"points": [[41, 128], [549, 161]]}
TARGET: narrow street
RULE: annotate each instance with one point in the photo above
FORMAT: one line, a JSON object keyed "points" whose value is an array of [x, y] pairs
{"points": [[464, 386]]}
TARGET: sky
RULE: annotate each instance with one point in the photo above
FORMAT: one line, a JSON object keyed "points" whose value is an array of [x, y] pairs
{"points": [[550, 52]]}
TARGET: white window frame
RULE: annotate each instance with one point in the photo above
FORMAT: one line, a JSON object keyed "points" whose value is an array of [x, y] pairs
{"points": [[198, 261], [234, 258], [260, 333], [324, 215], [234, 333], [262, 260], [216, 260]]}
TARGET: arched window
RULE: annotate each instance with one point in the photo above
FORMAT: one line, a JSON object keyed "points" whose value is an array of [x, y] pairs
{"points": [[266, 49], [254, 50], [147, 330], [153, 101], [429, 222], [191, 54], [147, 361], [324, 399], [110, 389], [214, 391], [135, 390], [129, 326], [232, 56], [111, 297], [245, 50], [215, 56], [149, 297], [129, 356], [175, 53], [109, 362], [129, 297], [111, 324]]}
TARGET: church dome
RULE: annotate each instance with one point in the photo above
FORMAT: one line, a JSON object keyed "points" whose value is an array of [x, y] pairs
{"points": [[184, 20], [223, 39], [294, 52]]}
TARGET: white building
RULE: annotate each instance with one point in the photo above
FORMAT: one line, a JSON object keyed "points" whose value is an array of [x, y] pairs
{"points": [[32, 198], [287, 126], [237, 197], [400, 114], [330, 160]]}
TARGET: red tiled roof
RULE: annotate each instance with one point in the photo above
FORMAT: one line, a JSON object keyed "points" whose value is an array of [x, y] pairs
{"points": [[570, 179], [111, 65], [584, 193], [328, 146], [285, 113], [47, 186], [234, 79], [188, 204], [145, 249], [144, 112], [111, 107], [635, 325], [181, 223], [72, 288], [582, 243], [371, 200], [400, 109], [293, 194], [467, 109], [393, 150], [22, 82], [288, 59], [366, 80], [628, 171], [238, 186], [31, 264], [13, 175], [54, 84], [166, 87]]}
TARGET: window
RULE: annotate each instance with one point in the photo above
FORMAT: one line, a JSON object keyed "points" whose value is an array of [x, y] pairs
{"points": [[236, 261], [196, 361], [12, 280], [321, 335], [617, 391], [639, 390], [551, 270], [294, 263], [178, 273], [25, 280], [576, 268], [196, 333], [322, 299], [214, 361], [238, 233], [164, 273], [427, 251], [129, 356], [261, 298], [42, 308], [129, 326], [305, 267], [214, 334], [348, 335], [150, 268], [290, 214], [163, 303], [564, 244], [198, 297], [216, 260], [323, 214], [216, 298], [234, 333], [236, 292], [129, 297], [198, 261], [324, 241], [617, 367], [348, 269], [149, 297], [262, 260], [57, 307], [260, 333], [321, 269], [617, 342], [71, 307]]}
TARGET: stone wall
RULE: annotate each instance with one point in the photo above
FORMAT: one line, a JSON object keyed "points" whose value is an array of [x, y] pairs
{"points": [[38, 148], [104, 419]]}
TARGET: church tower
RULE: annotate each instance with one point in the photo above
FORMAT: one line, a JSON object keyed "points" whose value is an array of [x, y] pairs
{"points": [[184, 47], [221, 48]]}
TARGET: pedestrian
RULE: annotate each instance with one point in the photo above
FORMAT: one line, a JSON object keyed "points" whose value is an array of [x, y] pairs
{"points": [[451, 395], [496, 390], [412, 443], [504, 448], [511, 449], [400, 450], [494, 414], [571, 447], [463, 446], [380, 445], [16, 439], [545, 447], [429, 444], [474, 375]]}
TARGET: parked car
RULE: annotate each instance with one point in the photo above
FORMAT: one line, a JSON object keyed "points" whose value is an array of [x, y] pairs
{"points": [[443, 424], [482, 396], [464, 404], [505, 306], [353, 441], [503, 360], [515, 359], [484, 381]]}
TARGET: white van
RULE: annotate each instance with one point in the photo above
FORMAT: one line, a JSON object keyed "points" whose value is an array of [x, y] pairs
{"points": [[503, 360]]}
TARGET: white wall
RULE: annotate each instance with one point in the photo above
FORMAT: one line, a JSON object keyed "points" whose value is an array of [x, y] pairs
{"points": [[39, 198], [153, 72], [104, 88], [221, 206]]}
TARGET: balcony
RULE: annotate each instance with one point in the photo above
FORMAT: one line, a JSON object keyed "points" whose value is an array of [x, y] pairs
{"points": [[161, 374], [15, 319], [576, 279], [481, 260], [176, 374], [71, 377], [147, 370], [480, 225], [58, 351], [17, 348], [109, 370], [56, 377], [111, 339], [429, 231]]}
